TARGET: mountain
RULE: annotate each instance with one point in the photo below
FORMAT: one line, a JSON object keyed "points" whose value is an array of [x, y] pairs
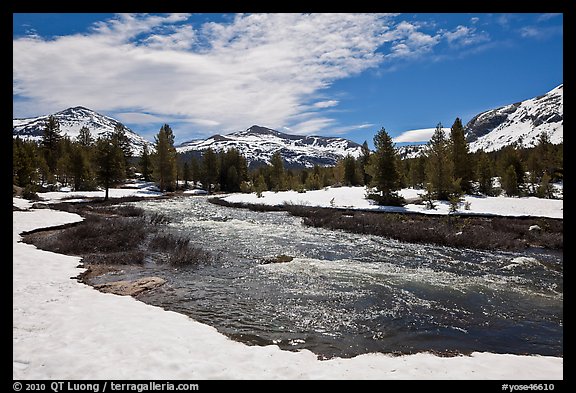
{"points": [[520, 123], [258, 144], [71, 120]]}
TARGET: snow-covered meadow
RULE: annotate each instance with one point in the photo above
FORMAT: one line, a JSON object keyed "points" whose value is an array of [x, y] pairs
{"points": [[354, 198], [63, 329]]}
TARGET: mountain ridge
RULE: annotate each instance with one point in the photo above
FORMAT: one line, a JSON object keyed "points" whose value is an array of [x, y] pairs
{"points": [[519, 123], [71, 120], [258, 144]]}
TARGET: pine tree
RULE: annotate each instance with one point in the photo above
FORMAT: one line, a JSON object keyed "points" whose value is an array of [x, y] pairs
{"points": [[186, 174], [23, 168], [461, 158], [386, 177], [416, 173], [209, 169], [120, 138], [84, 137], [80, 167], [165, 170], [276, 172], [484, 174], [109, 159], [195, 174], [51, 143], [146, 164], [511, 157], [509, 181], [439, 167], [364, 162], [350, 178]]}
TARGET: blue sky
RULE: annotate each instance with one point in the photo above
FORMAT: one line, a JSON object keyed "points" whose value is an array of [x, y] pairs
{"points": [[312, 74]]}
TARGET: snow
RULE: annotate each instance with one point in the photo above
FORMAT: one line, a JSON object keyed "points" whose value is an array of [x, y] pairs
{"points": [[63, 329], [355, 198], [522, 125], [259, 144], [135, 189]]}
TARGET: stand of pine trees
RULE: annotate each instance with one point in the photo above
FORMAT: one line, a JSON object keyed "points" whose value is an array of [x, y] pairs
{"points": [[445, 171]]}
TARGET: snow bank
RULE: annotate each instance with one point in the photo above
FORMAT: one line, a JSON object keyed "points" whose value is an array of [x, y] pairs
{"points": [[354, 198], [63, 329], [137, 189]]}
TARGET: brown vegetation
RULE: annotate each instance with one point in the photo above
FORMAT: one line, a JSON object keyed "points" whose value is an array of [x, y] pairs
{"points": [[118, 235]]}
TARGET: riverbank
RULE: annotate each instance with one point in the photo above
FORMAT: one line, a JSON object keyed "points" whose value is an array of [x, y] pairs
{"points": [[488, 232], [66, 330]]}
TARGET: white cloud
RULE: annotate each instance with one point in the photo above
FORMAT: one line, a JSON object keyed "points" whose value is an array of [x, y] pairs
{"points": [[258, 69], [266, 69], [409, 42], [465, 36], [420, 135], [325, 104]]}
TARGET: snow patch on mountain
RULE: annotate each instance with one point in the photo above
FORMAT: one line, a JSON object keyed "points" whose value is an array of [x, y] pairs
{"points": [[519, 124], [258, 145], [71, 120]]}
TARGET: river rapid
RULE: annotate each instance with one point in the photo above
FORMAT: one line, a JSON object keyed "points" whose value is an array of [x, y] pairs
{"points": [[346, 294]]}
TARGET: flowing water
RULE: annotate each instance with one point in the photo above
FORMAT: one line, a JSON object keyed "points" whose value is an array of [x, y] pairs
{"points": [[346, 294]]}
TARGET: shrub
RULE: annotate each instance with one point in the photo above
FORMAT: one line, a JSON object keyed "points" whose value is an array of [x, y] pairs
{"points": [[391, 199], [158, 218], [178, 251]]}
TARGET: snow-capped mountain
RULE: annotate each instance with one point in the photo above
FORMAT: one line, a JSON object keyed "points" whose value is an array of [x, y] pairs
{"points": [[258, 144], [71, 120], [519, 123]]}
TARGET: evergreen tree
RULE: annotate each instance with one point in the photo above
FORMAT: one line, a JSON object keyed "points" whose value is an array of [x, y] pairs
{"points": [[545, 189], [386, 177], [120, 138], [509, 181], [109, 159], [416, 172], [51, 143], [461, 158], [84, 137], [63, 163], [276, 172], [364, 162], [350, 178], [146, 164], [209, 169], [510, 156], [165, 159], [80, 167], [186, 174], [484, 174], [23, 166], [260, 185], [439, 166], [195, 173]]}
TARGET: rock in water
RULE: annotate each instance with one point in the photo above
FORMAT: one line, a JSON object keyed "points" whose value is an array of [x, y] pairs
{"points": [[131, 288]]}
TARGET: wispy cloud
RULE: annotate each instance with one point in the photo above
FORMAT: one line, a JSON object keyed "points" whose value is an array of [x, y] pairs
{"points": [[539, 32], [325, 104], [268, 69], [258, 69], [421, 135], [465, 36]]}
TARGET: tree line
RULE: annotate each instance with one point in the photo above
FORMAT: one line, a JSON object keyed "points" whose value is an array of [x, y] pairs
{"points": [[445, 170]]}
